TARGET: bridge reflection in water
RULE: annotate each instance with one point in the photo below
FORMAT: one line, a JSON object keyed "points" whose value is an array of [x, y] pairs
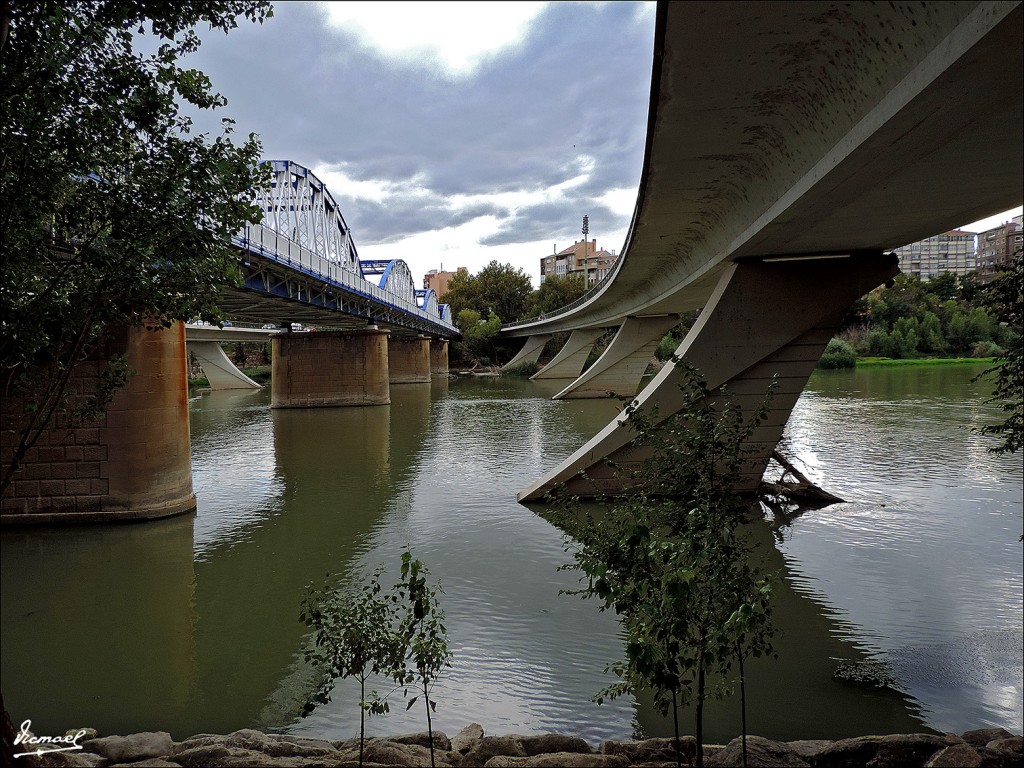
{"points": [[191, 625]]}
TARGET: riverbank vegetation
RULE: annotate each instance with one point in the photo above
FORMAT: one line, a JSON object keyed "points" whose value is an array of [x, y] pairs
{"points": [[89, 120], [945, 317], [672, 560], [362, 631]]}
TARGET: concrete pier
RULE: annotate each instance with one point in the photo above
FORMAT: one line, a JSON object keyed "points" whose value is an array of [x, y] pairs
{"points": [[569, 362], [620, 369], [330, 368], [762, 320], [133, 463], [530, 353], [439, 357], [409, 359]]}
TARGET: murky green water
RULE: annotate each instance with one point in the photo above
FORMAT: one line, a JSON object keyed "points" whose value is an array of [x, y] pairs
{"points": [[191, 625]]}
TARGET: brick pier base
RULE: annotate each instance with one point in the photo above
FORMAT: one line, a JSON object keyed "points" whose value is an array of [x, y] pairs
{"points": [[133, 463]]}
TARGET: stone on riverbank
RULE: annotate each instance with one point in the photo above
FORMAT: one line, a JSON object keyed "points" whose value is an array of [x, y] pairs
{"points": [[467, 737], [247, 748], [892, 751], [441, 741], [135, 746], [760, 751], [493, 746], [554, 742], [559, 760], [980, 737], [651, 750]]}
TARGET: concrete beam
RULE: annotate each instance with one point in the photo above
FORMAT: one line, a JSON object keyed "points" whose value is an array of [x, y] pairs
{"points": [[530, 353], [569, 362], [196, 332], [620, 369], [219, 370], [762, 319], [815, 128]]}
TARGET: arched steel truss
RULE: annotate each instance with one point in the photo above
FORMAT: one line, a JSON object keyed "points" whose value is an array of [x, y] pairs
{"points": [[428, 301], [303, 252], [299, 206], [395, 277]]}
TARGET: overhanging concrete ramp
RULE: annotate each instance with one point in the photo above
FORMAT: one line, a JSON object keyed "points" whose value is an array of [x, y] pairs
{"points": [[763, 319], [622, 366], [569, 362], [809, 128], [530, 353], [219, 370]]}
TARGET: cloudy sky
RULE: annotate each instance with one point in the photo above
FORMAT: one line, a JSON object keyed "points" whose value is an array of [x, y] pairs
{"points": [[452, 133]]}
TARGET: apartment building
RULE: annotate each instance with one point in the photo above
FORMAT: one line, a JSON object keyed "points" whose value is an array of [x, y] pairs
{"points": [[952, 251], [438, 279], [582, 257], [996, 247]]}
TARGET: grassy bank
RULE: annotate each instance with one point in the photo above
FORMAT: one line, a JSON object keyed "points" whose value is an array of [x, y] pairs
{"points": [[889, 361]]}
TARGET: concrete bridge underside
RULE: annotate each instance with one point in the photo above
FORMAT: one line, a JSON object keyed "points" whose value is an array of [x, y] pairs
{"points": [[812, 130]]}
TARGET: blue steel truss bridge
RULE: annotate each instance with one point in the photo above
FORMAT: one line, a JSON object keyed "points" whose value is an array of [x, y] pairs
{"points": [[300, 264]]}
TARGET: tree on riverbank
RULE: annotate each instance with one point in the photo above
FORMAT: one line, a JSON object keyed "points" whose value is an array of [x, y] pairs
{"points": [[944, 316], [353, 637], [672, 560], [111, 213], [498, 288], [361, 631], [1004, 296], [556, 292]]}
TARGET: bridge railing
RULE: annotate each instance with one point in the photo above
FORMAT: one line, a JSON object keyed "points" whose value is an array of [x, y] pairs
{"points": [[598, 286], [269, 244]]}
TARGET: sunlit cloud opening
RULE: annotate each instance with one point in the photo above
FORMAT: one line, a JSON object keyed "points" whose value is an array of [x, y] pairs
{"points": [[458, 35]]}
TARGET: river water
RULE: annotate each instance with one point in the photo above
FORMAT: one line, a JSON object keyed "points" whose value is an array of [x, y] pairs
{"points": [[191, 624]]}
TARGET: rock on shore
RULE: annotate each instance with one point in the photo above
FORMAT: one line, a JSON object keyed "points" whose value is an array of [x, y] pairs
{"points": [[987, 748]]}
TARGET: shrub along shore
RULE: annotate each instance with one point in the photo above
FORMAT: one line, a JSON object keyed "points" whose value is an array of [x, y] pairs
{"points": [[471, 747]]}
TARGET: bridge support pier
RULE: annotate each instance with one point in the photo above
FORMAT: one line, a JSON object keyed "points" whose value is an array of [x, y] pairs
{"points": [[569, 362], [409, 359], [762, 320], [439, 357], [330, 368], [219, 370], [530, 353], [620, 369], [133, 463]]}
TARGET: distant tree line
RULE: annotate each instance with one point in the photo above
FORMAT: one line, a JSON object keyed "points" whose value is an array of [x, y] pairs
{"points": [[947, 316], [499, 294]]}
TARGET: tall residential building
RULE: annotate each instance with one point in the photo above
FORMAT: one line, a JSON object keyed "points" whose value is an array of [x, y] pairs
{"points": [[996, 247], [438, 279], [582, 257], [952, 251]]}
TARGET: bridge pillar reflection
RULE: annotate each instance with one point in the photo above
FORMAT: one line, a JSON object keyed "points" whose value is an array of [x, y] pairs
{"points": [[132, 463], [409, 359], [439, 357], [762, 320], [330, 368]]}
